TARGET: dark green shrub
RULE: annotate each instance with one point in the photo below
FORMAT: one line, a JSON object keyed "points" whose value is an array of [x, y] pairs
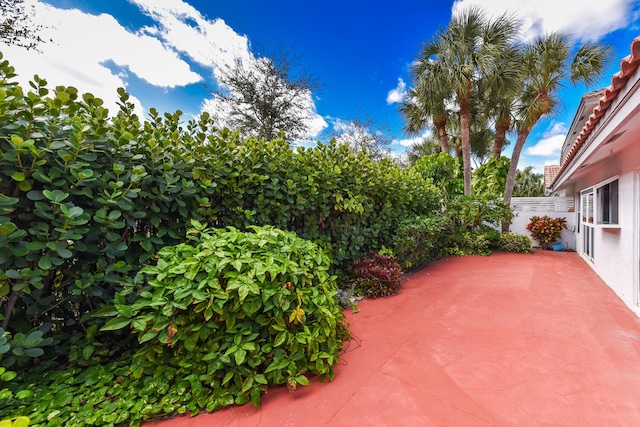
{"points": [[491, 234], [421, 239], [467, 242], [514, 242], [546, 230], [376, 276]]}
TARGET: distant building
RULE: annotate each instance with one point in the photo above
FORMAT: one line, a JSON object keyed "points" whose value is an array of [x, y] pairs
{"points": [[550, 172]]}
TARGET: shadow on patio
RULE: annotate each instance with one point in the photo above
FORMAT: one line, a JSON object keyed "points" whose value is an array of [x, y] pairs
{"points": [[504, 340]]}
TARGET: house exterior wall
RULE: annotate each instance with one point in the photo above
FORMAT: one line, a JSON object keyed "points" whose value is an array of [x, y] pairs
{"points": [[608, 148], [616, 250]]}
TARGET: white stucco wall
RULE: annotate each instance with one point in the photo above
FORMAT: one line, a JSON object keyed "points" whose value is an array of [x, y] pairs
{"points": [[553, 207], [616, 250], [519, 225]]}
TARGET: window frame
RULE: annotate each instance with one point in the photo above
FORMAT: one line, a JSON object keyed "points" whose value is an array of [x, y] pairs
{"points": [[593, 201]]}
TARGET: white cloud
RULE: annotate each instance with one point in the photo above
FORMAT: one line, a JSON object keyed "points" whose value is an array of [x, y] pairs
{"points": [[211, 43], [398, 94], [75, 59], [410, 142], [587, 20], [555, 129], [551, 142], [549, 146]]}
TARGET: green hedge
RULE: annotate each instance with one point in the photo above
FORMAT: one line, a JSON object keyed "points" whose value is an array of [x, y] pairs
{"points": [[87, 198]]}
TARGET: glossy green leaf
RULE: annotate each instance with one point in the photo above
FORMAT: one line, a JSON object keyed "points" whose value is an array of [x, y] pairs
{"points": [[115, 324]]}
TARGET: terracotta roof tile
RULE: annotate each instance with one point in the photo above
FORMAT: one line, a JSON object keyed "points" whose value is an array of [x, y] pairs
{"points": [[619, 80]]}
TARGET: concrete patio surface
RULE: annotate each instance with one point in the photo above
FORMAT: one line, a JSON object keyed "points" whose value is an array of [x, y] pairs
{"points": [[504, 340]]}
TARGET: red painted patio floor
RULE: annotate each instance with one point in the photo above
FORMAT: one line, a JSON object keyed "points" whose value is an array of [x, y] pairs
{"points": [[504, 340]]}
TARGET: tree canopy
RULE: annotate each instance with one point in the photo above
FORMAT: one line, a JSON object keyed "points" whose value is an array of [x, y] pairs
{"points": [[476, 81], [263, 96], [16, 24]]}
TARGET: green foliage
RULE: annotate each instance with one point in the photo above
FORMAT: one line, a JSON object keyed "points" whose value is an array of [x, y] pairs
{"points": [[376, 276], [326, 193], [546, 230], [444, 170], [86, 199], [219, 320], [470, 212], [466, 225], [514, 242], [239, 306], [490, 178], [528, 183], [474, 224], [421, 239], [18, 350], [16, 422], [465, 242]]}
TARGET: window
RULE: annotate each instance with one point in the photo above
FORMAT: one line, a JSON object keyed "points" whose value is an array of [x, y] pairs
{"points": [[587, 205], [600, 204], [608, 203]]}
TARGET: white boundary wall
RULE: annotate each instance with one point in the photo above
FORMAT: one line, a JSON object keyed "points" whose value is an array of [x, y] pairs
{"points": [[554, 207]]}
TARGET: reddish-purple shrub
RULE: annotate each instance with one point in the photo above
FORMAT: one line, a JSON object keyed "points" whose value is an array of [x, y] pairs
{"points": [[377, 275]]}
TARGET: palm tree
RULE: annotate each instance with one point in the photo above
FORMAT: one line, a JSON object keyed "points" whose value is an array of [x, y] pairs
{"points": [[461, 56], [528, 183], [548, 64], [423, 148], [502, 87], [427, 101]]}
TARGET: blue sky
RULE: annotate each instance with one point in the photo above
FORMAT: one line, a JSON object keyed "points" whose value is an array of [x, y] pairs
{"points": [[165, 51]]}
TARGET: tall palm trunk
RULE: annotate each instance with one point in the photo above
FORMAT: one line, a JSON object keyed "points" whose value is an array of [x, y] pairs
{"points": [[441, 125], [502, 125], [513, 168], [465, 125]]}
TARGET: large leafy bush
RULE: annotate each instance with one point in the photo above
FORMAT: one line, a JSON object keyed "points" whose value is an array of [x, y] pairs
{"points": [[246, 308], [220, 319]]}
